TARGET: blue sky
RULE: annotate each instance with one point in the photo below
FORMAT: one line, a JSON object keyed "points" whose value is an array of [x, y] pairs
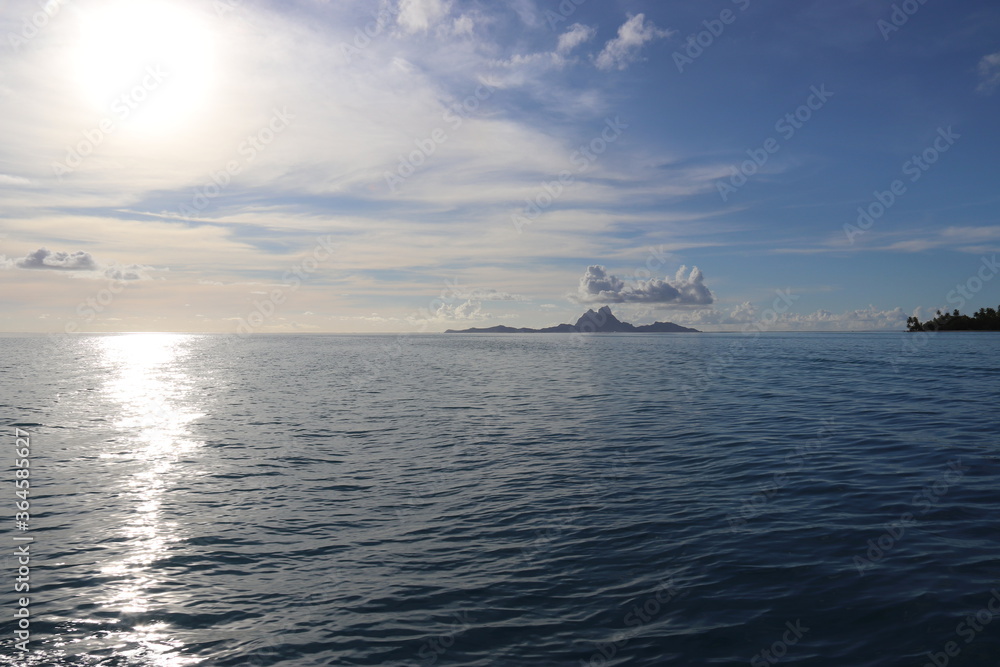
{"points": [[416, 165]]}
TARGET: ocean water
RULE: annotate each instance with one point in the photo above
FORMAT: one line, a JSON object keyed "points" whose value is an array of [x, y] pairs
{"points": [[713, 499]]}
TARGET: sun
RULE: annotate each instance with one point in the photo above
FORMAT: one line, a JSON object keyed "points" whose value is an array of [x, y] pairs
{"points": [[145, 65]]}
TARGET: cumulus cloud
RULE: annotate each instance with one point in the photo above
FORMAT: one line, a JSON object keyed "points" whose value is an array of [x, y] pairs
{"points": [[419, 15], [466, 311], [624, 49], [81, 263], [129, 272], [989, 73], [44, 258], [686, 289], [574, 37]]}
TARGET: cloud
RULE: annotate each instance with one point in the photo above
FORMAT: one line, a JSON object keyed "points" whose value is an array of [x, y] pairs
{"points": [[419, 15], [130, 272], [489, 295], [989, 73], [574, 37], [623, 50], [83, 263], [467, 311], [57, 261], [599, 286], [749, 318], [6, 179]]}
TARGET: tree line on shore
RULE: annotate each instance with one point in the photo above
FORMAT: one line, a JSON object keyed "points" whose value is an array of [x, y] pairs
{"points": [[985, 319]]}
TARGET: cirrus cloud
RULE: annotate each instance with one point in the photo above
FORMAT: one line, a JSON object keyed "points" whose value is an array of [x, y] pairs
{"points": [[623, 50]]}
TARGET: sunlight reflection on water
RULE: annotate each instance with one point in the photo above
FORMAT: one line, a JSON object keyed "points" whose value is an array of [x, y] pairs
{"points": [[148, 381]]}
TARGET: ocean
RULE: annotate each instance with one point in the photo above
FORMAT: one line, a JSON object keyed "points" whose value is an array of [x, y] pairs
{"points": [[601, 500]]}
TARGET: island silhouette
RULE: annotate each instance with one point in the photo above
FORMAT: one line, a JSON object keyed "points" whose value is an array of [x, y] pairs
{"points": [[601, 321], [985, 319]]}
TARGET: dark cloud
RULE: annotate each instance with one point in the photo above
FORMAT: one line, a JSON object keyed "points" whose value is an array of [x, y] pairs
{"points": [[686, 289], [79, 261], [57, 261]]}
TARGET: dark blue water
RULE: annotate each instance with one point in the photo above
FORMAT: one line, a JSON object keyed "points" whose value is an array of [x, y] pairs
{"points": [[507, 500]]}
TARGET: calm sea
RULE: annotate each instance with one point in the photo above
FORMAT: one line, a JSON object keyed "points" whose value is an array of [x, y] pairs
{"points": [[810, 499]]}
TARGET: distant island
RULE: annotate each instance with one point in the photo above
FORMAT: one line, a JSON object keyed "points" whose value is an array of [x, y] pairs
{"points": [[986, 319], [602, 321]]}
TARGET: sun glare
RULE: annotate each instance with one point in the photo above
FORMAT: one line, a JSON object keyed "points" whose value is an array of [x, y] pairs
{"points": [[144, 65]]}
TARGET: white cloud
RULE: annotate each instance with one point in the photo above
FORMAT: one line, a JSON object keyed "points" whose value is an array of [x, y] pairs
{"points": [[420, 15], [466, 311], [989, 73], [623, 50], [686, 289], [767, 319], [463, 25], [574, 37], [6, 179]]}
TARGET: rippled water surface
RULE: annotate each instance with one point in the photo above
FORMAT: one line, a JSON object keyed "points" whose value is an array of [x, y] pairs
{"points": [[814, 499]]}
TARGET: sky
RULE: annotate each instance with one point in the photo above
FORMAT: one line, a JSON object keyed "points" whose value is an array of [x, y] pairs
{"points": [[419, 165]]}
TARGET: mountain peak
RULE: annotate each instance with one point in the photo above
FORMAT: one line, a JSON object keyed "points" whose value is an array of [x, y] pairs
{"points": [[602, 321]]}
